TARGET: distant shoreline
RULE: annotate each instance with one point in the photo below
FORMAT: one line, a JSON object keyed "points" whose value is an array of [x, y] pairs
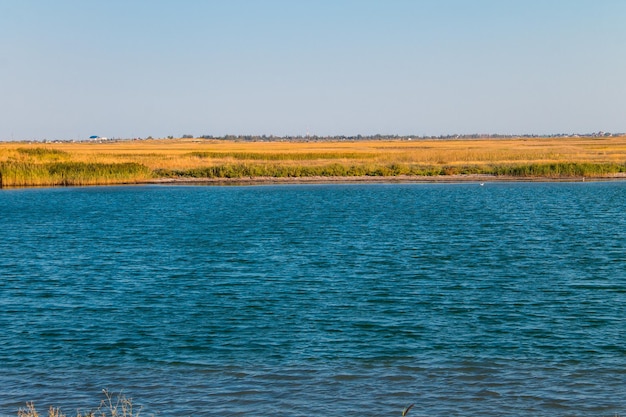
{"points": [[376, 179], [401, 179], [192, 161]]}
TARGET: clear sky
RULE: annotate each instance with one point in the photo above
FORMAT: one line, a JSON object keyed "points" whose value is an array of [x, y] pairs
{"points": [[136, 68]]}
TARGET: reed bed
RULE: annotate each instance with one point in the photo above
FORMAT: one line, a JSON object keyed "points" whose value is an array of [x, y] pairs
{"points": [[18, 174], [116, 162]]}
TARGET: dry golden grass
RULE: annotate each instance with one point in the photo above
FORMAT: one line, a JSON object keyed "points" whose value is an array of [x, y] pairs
{"points": [[177, 153], [176, 156]]}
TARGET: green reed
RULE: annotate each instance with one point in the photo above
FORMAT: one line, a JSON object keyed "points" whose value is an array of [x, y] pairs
{"points": [[561, 169], [243, 170], [282, 156], [16, 174], [24, 173], [252, 170], [43, 153]]}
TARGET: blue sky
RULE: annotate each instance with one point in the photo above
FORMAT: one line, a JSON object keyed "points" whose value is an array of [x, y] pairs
{"points": [[138, 68]]}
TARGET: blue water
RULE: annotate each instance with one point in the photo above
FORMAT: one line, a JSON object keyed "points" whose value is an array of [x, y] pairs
{"points": [[316, 300]]}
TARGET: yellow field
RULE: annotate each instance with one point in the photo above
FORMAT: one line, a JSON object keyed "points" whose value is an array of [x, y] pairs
{"points": [[173, 157], [177, 153]]}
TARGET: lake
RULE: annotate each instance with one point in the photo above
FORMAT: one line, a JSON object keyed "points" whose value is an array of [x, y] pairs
{"points": [[316, 300]]}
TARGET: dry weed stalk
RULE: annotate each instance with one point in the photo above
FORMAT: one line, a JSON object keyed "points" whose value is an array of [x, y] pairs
{"points": [[31, 411], [116, 406], [112, 406]]}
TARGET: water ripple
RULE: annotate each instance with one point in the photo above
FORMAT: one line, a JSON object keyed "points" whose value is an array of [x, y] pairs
{"points": [[316, 300]]}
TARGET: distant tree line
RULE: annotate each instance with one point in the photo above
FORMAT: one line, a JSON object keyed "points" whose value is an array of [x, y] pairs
{"points": [[315, 138], [354, 138]]}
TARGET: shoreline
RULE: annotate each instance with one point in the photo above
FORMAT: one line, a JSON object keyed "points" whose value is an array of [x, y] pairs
{"points": [[460, 178], [398, 179], [231, 163]]}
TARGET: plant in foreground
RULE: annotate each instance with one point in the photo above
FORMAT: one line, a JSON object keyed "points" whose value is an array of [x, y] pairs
{"points": [[112, 406]]}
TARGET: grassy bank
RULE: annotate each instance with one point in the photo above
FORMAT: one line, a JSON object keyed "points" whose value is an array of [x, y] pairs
{"points": [[123, 162], [19, 174], [535, 170]]}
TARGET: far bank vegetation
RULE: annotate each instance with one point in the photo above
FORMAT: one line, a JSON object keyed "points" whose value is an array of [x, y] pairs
{"points": [[128, 162]]}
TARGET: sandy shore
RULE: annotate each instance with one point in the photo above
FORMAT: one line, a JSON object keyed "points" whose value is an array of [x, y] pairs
{"points": [[376, 179]]}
